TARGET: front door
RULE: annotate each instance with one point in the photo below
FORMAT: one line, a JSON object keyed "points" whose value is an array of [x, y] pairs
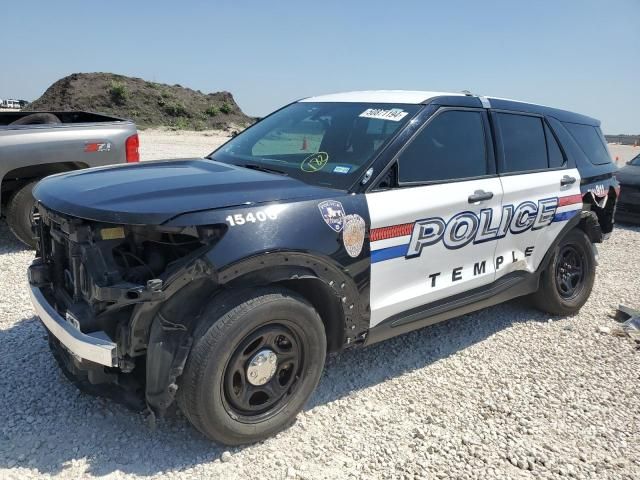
{"points": [[433, 236]]}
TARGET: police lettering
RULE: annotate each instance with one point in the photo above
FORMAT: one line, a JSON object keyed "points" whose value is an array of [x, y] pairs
{"points": [[479, 268], [467, 227]]}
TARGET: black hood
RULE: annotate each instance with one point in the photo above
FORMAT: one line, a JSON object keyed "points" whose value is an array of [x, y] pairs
{"points": [[629, 175], [150, 193]]}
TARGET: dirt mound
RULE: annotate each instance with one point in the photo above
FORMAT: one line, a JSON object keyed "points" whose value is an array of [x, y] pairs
{"points": [[149, 104]]}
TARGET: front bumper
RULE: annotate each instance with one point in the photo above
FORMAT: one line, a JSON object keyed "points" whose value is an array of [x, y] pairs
{"points": [[94, 347]]}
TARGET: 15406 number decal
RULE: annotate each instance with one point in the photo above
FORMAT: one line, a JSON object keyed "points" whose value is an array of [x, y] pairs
{"points": [[244, 218]]}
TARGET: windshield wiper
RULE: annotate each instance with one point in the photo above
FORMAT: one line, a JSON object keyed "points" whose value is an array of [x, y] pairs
{"points": [[262, 168]]}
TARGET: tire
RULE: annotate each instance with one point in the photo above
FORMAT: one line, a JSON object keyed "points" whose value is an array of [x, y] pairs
{"points": [[215, 392], [37, 119], [20, 214], [567, 282]]}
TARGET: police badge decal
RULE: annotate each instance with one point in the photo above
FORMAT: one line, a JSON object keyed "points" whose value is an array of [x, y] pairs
{"points": [[332, 213], [353, 234]]}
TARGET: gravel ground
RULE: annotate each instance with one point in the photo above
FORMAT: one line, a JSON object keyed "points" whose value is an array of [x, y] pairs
{"points": [[158, 144], [621, 154], [503, 393]]}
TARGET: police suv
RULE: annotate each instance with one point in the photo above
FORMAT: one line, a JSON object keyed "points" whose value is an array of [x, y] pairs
{"points": [[336, 222]]}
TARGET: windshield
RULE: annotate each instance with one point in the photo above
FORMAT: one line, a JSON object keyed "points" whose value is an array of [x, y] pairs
{"points": [[635, 160], [326, 144]]}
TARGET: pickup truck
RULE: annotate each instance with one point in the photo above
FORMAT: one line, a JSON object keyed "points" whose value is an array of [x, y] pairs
{"points": [[34, 145]]}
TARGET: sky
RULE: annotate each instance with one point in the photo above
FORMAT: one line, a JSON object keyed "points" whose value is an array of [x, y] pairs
{"points": [[580, 55]]}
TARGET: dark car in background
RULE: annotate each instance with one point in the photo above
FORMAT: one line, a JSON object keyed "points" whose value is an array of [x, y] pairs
{"points": [[628, 208]]}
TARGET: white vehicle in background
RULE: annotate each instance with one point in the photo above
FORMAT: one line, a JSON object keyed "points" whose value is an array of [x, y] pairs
{"points": [[10, 104]]}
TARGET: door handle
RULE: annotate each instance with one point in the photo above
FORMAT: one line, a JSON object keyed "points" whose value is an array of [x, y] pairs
{"points": [[480, 196], [567, 180]]}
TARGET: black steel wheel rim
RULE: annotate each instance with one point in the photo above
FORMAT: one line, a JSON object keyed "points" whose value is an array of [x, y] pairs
{"points": [[254, 403], [570, 271]]}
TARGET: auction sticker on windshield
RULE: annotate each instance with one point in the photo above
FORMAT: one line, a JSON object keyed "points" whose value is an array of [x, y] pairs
{"points": [[394, 114], [314, 162]]}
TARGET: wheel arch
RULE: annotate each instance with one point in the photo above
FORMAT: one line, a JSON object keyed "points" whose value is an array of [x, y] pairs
{"points": [[14, 179], [576, 222], [331, 291], [326, 304]]}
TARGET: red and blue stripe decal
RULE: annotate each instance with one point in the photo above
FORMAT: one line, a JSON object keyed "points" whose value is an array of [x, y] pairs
{"points": [[569, 200], [393, 231], [565, 202], [389, 253]]}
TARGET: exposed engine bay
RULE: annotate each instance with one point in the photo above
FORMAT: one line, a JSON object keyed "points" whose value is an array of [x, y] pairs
{"points": [[110, 280]]}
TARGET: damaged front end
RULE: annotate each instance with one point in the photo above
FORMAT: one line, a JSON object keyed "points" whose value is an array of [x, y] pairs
{"points": [[119, 302]]}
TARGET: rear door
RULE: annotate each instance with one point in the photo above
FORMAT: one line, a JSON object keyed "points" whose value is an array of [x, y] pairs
{"points": [[430, 234], [541, 191]]}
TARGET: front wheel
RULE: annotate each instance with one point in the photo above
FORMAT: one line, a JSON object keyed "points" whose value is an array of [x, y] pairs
{"points": [[257, 357], [566, 284]]}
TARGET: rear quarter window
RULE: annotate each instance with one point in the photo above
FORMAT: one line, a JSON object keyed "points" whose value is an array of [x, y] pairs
{"points": [[591, 141], [556, 157], [523, 142]]}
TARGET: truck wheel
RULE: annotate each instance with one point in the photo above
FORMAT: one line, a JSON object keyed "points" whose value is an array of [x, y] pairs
{"points": [[37, 119], [20, 212], [566, 284], [257, 357]]}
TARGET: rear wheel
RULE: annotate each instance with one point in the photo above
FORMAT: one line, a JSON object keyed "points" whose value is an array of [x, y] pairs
{"points": [[566, 284], [256, 360], [21, 212]]}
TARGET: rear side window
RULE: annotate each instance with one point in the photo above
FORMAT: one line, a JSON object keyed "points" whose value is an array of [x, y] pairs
{"points": [[591, 142], [451, 146], [523, 142], [556, 158]]}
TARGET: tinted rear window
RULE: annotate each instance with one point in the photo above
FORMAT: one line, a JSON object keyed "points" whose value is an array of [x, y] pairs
{"points": [[591, 142], [523, 142]]}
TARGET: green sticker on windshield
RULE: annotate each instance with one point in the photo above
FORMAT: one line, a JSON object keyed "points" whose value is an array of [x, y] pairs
{"points": [[315, 162]]}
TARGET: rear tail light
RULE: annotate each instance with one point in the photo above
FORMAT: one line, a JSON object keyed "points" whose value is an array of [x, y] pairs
{"points": [[132, 146]]}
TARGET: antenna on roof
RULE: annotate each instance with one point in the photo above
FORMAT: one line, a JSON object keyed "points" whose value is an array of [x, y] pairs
{"points": [[467, 93]]}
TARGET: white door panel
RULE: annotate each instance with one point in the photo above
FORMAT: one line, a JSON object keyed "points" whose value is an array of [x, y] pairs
{"points": [[525, 250], [428, 243]]}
